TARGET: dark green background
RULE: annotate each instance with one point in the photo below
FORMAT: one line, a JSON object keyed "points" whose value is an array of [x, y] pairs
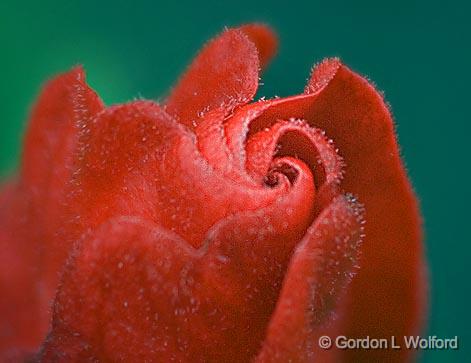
{"points": [[417, 52]]}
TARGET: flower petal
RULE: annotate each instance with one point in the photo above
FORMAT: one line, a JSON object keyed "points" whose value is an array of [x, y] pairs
{"points": [[387, 296], [224, 74], [321, 267], [212, 144], [33, 210], [50, 158], [136, 290], [265, 40], [242, 272], [20, 328], [139, 161], [120, 295], [64, 106]]}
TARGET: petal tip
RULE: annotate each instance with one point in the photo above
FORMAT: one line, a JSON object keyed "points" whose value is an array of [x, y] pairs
{"points": [[264, 38], [322, 73]]}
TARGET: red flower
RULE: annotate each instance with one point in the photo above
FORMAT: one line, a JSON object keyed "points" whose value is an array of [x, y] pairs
{"points": [[210, 228]]}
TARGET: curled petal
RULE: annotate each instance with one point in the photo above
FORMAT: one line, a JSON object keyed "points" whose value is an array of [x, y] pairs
{"points": [[388, 294], [225, 74], [64, 107], [242, 269], [33, 208], [269, 231], [183, 282], [265, 40], [387, 297], [141, 291], [254, 135], [139, 162], [236, 130], [293, 137], [212, 144], [322, 265]]}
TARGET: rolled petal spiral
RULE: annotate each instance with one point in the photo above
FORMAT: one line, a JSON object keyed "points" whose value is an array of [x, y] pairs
{"points": [[210, 228]]}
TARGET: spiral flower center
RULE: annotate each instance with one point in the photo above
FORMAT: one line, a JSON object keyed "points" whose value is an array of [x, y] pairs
{"points": [[267, 152], [273, 176]]}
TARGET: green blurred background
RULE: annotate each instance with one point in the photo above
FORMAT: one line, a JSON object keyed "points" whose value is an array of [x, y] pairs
{"points": [[413, 50]]}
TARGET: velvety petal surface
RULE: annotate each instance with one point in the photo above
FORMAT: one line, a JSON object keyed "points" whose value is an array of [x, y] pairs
{"points": [[33, 208], [19, 300], [224, 74], [136, 291], [264, 39], [319, 271], [210, 229], [388, 295], [50, 159], [140, 162]]}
